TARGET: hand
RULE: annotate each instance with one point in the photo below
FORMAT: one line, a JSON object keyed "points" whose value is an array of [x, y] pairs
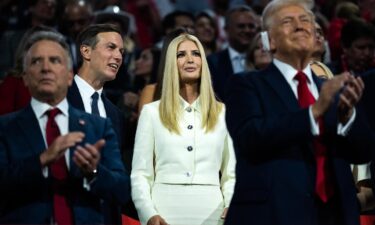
{"points": [[327, 94], [156, 220], [59, 146], [349, 97], [224, 214], [87, 157]]}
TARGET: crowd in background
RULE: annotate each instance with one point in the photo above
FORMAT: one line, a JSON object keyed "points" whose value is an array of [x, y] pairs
{"points": [[229, 31]]}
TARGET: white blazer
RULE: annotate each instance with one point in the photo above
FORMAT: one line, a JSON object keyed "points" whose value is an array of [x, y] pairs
{"points": [[192, 157]]}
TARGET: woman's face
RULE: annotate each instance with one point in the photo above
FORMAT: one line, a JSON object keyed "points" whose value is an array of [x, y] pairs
{"points": [[143, 65], [189, 62], [261, 58], [204, 30], [319, 43]]}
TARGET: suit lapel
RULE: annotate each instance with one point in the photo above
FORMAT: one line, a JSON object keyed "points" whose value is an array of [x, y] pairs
{"points": [[29, 126], [276, 80], [76, 123], [74, 97], [227, 63]]}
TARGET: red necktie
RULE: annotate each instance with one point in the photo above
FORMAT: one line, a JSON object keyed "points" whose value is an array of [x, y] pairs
{"points": [[59, 172], [323, 185]]}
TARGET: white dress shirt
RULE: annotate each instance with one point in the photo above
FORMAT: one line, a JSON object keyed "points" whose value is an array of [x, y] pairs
{"points": [[62, 120], [191, 157], [86, 91], [237, 59], [289, 73]]}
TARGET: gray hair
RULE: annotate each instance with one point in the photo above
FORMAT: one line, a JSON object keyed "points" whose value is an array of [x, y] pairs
{"points": [[275, 5], [49, 36]]}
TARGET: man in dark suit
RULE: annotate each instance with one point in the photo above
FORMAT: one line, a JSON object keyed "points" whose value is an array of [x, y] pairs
{"points": [[241, 25], [57, 164], [295, 136], [102, 49]]}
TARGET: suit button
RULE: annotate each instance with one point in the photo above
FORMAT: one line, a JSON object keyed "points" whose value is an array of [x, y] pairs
{"points": [[188, 109], [189, 148], [188, 174], [190, 127]]}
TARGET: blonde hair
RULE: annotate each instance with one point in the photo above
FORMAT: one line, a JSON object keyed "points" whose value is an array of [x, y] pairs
{"points": [[275, 5], [170, 107]]}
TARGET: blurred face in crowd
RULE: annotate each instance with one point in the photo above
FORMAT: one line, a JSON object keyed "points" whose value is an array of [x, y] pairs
{"points": [[143, 65], [106, 56], [319, 43], [241, 28], [360, 55], [204, 29], [44, 9], [292, 33], [185, 22], [189, 62], [46, 71], [261, 57], [77, 16]]}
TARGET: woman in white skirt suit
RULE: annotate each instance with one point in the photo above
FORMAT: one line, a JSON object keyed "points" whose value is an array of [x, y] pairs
{"points": [[183, 170]]}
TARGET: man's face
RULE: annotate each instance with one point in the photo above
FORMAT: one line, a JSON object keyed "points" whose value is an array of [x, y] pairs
{"points": [[44, 9], [46, 71], [77, 17], [360, 54], [241, 29], [292, 33], [106, 57]]}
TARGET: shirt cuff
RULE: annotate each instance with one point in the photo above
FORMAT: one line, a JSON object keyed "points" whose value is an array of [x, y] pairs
{"points": [[313, 124], [344, 129]]}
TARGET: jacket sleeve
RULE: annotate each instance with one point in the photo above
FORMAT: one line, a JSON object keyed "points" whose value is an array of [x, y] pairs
{"points": [[142, 175]]}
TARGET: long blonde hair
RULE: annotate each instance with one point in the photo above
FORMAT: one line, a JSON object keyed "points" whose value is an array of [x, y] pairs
{"points": [[170, 107]]}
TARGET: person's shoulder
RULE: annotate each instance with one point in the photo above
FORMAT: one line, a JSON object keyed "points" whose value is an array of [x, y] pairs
{"points": [[152, 106]]}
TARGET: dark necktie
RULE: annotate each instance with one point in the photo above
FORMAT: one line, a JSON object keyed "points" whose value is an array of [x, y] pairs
{"points": [[94, 104], [59, 172], [323, 185]]}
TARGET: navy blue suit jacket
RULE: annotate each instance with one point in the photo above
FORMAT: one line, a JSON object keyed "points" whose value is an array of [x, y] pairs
{"points": [[113, 113], [221, 69], [275, 173], [26, 195]]}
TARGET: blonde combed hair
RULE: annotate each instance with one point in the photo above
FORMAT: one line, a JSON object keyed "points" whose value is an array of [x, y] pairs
{"points": [[170, 108], [275, 5]]}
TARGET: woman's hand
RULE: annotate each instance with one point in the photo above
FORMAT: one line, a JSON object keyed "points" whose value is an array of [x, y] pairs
{"points": [[156, 220], [224, 214]]}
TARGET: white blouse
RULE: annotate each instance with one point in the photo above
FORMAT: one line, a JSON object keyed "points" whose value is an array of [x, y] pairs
{"points": [[192, 157]]}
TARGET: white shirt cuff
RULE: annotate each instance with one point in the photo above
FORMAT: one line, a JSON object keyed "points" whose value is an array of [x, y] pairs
{"points": [[313, 124], [344, 129]]}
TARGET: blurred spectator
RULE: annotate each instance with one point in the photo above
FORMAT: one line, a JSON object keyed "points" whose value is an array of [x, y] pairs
{"points": [[206, 32], [367, 8], [13, 93], [41, 12], [316, 64], [257, 58], [78, 14], [358, 43], [241, 25], [174, 20], [147, 20], [343, 12]]}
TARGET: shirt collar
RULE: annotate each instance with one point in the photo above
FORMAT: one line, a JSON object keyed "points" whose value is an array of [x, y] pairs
{"points": [[195, 105], [85, 88], [234, 54], [40, 108], [289, 72]]}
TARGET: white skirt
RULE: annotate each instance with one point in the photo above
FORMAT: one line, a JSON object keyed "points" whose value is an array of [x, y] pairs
{"points": [[189, 204]]}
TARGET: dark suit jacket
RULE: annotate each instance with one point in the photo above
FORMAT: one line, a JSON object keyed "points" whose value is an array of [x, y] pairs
{"points": [[115, 115], [275, 173], [221, 69], [26, 196]]}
